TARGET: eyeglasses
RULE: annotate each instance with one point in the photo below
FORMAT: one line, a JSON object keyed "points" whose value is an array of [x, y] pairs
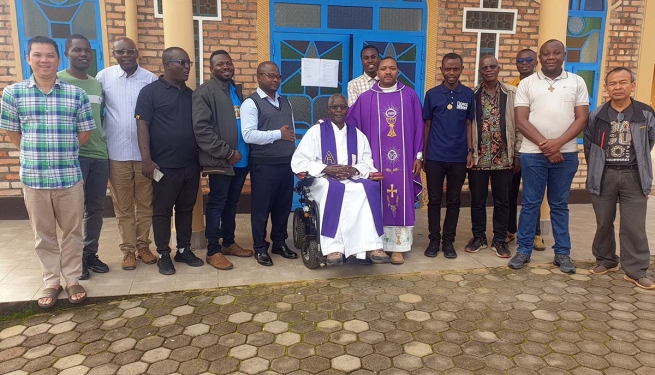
{"points": [[521, 60], [489, 67], [181, 62], [272, 75], [121, 52], [342, 107]]}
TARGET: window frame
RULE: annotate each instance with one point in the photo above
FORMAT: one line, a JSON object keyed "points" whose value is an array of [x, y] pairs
{"points": [[219, 13], [492, 31]]}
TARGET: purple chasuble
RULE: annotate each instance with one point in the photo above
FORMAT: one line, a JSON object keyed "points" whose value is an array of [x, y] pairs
{"points": [[336, 189], [393, 123]]}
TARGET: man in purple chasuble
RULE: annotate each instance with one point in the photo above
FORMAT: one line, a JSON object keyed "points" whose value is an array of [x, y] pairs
{"points": [[390, 115], [340, 157]]}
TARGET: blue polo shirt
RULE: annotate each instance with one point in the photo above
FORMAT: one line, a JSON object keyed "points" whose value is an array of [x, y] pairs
{"points": [[447, 139]]}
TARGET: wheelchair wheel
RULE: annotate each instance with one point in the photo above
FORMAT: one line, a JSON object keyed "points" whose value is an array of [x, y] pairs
{"points": [[311, 255], [299, 229]]}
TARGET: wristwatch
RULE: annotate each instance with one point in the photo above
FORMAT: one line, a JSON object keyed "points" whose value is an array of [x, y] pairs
{"points": [[471, 150]]}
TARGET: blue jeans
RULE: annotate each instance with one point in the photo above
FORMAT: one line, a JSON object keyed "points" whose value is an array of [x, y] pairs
{"points": [[221, 210], [539, 173], [95, 173]]}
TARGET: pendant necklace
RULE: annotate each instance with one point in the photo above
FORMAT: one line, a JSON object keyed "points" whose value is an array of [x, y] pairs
{"points": [[551, 88]]}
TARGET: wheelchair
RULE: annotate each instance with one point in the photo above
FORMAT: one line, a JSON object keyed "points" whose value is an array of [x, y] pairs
{"points": [[306, 224]]}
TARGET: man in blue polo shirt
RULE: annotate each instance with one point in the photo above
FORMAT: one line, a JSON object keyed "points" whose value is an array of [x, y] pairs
{"points": [[448, 111]]}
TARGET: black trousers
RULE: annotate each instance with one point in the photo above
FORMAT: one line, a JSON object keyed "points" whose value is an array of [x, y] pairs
{"points": [[512, 224], [454, 174], [479, 187], [178, 188], [272, 195]]}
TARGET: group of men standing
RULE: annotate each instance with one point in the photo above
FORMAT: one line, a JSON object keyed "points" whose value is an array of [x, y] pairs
{"points": [[152, 137]]}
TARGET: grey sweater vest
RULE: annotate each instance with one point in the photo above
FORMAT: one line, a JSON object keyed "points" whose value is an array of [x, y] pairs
{"points": [[272, 118]]}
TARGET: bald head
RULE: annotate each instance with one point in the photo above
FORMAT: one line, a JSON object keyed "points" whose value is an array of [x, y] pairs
{"points": [[552, 43], [266, 66]]}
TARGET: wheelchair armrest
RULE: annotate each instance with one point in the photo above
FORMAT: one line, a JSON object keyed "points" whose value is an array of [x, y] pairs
{"points": [[376, 176]]}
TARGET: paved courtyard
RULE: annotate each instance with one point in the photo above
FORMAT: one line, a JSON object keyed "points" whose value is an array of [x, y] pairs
{"points": [[21, 280], [485, 321]]}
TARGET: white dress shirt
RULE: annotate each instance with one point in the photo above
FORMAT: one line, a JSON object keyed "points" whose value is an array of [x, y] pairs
{"points": [[119, 126], [250, 119]]}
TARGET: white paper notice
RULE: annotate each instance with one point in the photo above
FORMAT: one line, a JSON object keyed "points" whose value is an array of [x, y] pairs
{"points": [[320, 72]]}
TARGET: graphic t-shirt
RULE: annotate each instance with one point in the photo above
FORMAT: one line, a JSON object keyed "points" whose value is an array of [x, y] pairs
{"points": [[619, 149]]}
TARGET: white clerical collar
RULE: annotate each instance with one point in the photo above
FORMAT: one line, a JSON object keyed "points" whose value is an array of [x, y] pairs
{"points": [[336, 128], [390, 89]]}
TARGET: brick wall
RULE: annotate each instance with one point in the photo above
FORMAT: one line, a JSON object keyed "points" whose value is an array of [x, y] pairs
{"points": [[452, 39], [624, 36], [9, 184]]}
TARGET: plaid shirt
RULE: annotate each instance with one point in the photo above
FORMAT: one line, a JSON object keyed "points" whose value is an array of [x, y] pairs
{"points": [[358, 86], [48, 124]]}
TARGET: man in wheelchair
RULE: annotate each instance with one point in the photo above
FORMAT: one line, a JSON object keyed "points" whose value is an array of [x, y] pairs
{"points": [[344, 186]]}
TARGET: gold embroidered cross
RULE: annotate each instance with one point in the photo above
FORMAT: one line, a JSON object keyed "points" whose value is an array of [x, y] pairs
{"points": [[392, 191]]}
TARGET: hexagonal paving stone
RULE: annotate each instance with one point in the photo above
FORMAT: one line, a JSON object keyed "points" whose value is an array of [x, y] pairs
{"points": [[346, 363], [241, 317], [276, 327], [223, 300], [12, 331], [243, 352], [134, 312], [417, 349], [416, 315], [196, 330], [265, 317], [410, 298], [545, 315], [155, 355], [253, 365], [287, 338], [356, 326], [182, 310]]}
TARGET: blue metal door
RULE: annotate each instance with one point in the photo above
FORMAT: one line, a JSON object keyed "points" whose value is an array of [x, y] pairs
{"points": [[309, 102], [406, 49], [59, 19]]}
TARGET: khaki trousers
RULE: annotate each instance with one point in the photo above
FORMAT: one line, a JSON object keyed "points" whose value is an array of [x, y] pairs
{"points": [[131, 193], [48, 208]]}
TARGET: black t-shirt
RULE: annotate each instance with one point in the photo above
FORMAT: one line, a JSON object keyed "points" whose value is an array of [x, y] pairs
{"points": [[619, 149], [168, 110]]}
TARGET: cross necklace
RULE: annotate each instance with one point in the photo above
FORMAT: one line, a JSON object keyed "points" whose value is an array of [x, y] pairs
{"points": [[551, 88]]}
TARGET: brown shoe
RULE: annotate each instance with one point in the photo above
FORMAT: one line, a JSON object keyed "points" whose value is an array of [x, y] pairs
{"points": [[146, 256], [643, 282], [237, 250], [379, 257], [397, 258], [129, 261], [219, 261]]}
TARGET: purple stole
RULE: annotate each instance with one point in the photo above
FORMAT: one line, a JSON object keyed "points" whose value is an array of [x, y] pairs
{"points": [[336, 189]]}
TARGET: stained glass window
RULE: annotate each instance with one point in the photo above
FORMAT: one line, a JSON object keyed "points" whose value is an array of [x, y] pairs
{"points": [[583, 39], [297, 15], [350, 17], [201, 8]]}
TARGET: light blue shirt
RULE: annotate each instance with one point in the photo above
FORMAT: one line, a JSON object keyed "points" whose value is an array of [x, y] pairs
{"points": [[243, 147], [250, 119]]}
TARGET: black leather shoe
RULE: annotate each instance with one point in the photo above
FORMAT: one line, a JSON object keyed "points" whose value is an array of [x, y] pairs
{"points": [[165, 264], [284, 252], [94, 264], [85, 271], [432, 249], [264, 259]]}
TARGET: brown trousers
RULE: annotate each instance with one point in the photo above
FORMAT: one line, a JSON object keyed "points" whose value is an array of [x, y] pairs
{"points": [[131, 193], [48, 208]]}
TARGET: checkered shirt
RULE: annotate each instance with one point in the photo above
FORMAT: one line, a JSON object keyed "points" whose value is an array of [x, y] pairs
{"points": [[358, 86], [48, 124]]}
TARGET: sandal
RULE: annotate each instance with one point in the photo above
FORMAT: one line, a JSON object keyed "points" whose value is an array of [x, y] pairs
{"points": [[334, 259], [51, 293], [75, 289]]}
